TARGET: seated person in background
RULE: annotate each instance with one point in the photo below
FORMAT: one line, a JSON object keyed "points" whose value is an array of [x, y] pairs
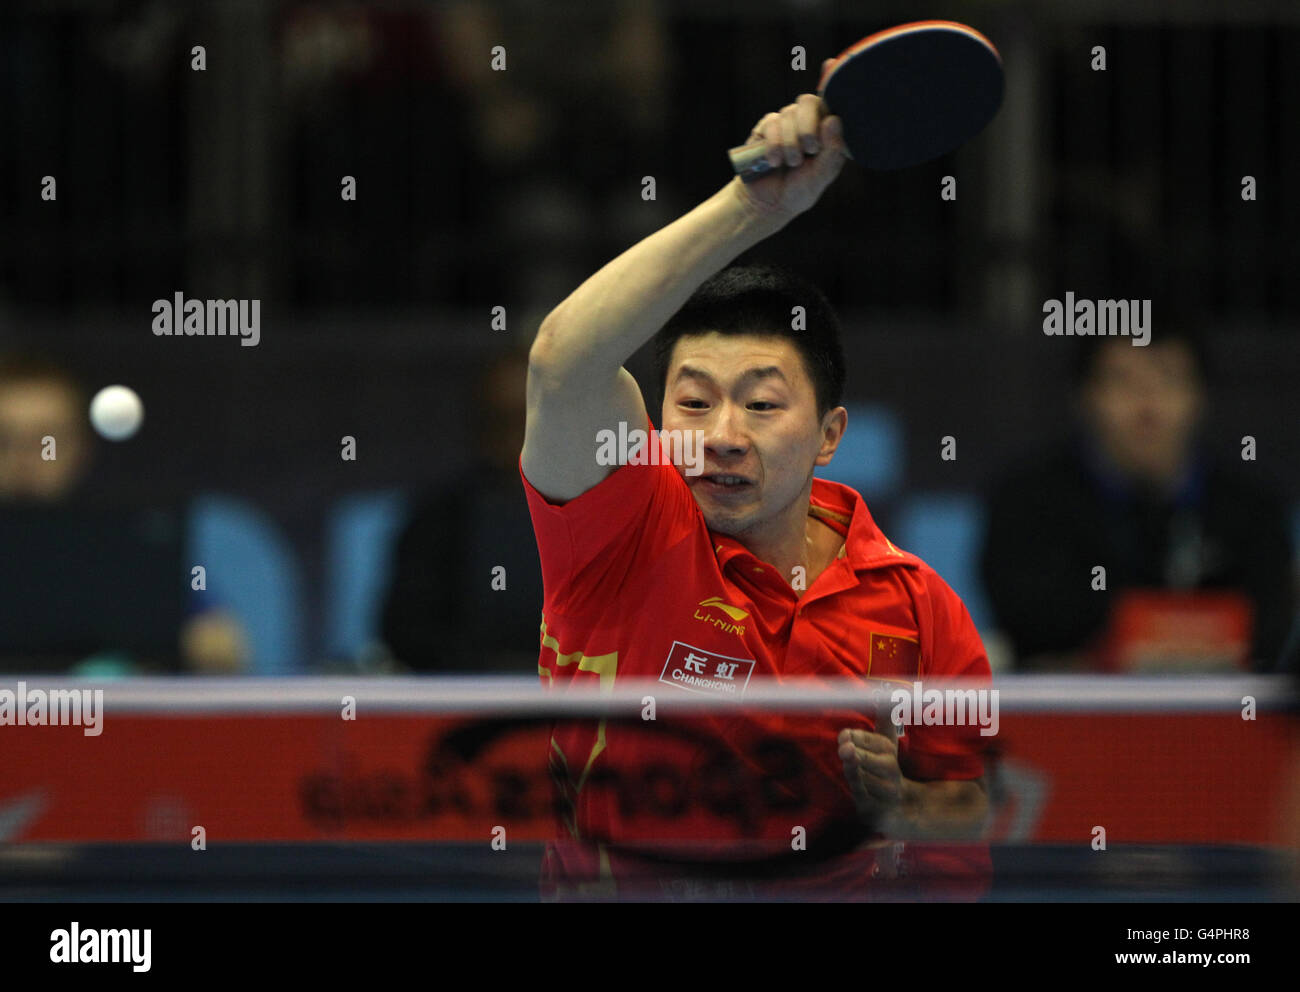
{"points": [[88, 586], [1197, 557], [443, 611]]}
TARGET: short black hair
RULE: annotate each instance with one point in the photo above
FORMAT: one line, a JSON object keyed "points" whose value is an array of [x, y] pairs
{"points": [[759, 300], [1177, 326]]}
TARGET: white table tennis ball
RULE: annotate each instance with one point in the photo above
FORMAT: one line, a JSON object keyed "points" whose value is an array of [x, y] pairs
{"points": [[116, 412]]}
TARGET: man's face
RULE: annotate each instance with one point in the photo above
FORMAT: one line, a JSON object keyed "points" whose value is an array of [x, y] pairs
{"points": [[752, 398], [30, 410], [1142, 405]]}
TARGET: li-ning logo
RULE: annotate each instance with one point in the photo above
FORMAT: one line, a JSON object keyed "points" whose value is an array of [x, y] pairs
{"points": [[716, 603]]}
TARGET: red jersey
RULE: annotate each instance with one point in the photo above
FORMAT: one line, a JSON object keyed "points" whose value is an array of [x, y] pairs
{"points": [[636, 585]]}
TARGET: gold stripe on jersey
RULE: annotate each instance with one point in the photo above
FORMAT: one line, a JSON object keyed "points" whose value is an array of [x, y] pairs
{"points": [[605, 667]]}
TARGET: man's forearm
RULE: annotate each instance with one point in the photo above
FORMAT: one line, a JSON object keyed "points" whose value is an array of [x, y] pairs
{"points": [[606, 319], [939, 811]]}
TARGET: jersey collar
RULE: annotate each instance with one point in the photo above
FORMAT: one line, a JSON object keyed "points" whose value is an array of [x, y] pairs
{"points": [[844, 509]]}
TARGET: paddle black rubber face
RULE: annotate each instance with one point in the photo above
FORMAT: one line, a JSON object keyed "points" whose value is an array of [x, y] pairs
{"points": [[912, 98]]}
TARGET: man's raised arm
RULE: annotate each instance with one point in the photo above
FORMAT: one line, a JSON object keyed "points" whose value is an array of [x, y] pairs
{"points": [[577, 385]]}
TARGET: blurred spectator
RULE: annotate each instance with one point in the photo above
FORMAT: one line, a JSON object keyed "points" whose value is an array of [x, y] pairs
{"points": [[539, 120], [40, 399], [442, 612], [558, 137], [91, 586], [1136, 492]]}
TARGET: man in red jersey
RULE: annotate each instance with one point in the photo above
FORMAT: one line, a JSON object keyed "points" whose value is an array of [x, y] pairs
{"points": [[748, 569]]}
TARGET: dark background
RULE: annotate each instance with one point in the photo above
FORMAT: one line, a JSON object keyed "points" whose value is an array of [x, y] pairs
{"points": [[376, 313]]}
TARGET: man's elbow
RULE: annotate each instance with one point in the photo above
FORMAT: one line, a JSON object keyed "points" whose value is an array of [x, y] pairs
{"points": [[552, 362], [541, 351]]}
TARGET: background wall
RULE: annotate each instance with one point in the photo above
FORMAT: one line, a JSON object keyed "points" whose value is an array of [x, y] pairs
{"points": [[479, 189]]}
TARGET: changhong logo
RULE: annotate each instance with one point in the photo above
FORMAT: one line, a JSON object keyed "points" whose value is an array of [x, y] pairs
{"points": [[23, 707]]}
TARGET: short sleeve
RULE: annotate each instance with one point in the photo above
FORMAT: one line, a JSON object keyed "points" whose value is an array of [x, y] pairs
{"points": [[590, 544], [950, 752]]}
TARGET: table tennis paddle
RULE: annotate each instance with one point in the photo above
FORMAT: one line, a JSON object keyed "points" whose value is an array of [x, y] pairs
{"points": [[905, 96]]}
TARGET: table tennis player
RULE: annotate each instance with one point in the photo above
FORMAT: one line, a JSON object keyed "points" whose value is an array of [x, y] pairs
{"points": [[750, 569]]}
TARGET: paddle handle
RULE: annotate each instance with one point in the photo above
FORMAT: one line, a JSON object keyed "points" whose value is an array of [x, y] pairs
{"points": [[750, 161]]}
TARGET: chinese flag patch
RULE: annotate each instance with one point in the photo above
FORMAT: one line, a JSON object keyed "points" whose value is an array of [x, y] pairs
{"points": [[890, 654]]}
